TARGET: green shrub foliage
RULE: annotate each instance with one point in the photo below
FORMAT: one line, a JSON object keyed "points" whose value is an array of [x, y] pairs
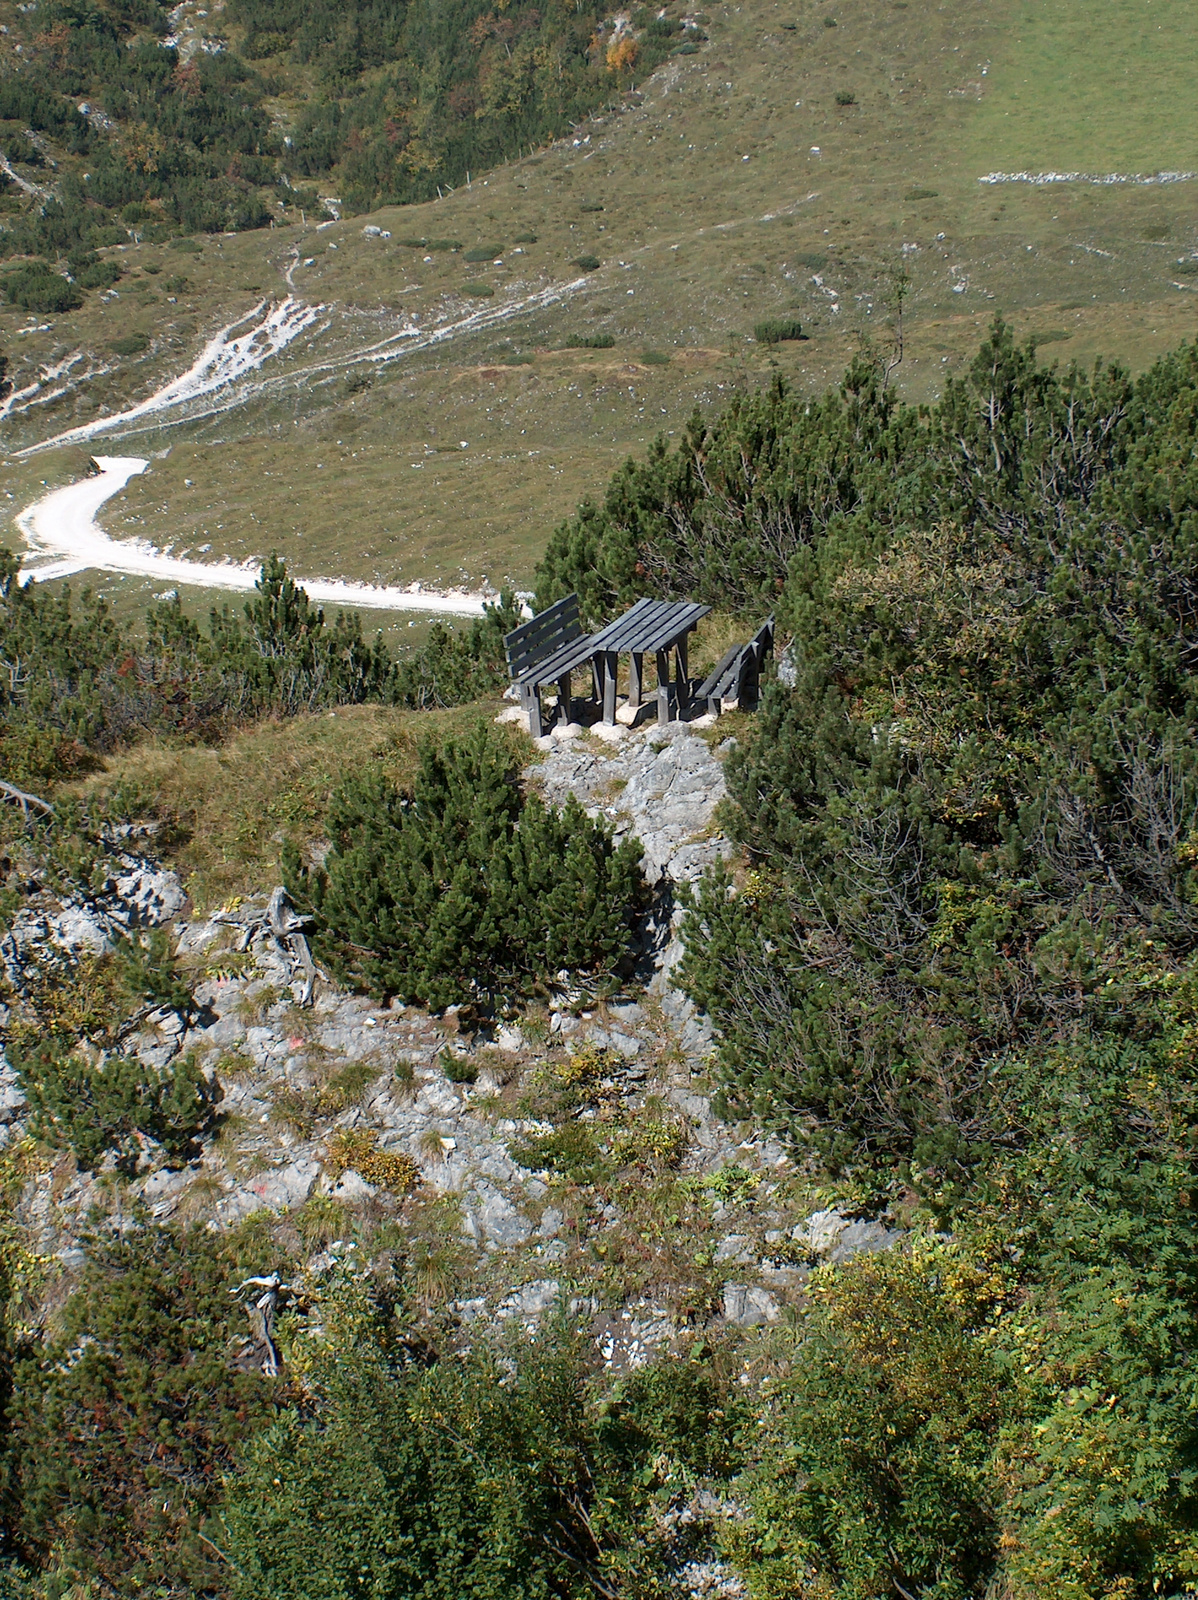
{"points": [[775, 330], [490, 1477], [396, 102], [721, 515], [123, 1421], [92, 685], [91, 1108], [462, 888]]}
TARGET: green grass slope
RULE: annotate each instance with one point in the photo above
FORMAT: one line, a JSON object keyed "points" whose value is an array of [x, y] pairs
{"points": [[791, 168]]}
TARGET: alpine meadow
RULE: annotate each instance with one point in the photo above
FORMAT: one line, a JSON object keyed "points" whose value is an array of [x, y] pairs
{"points": [[598, 801]]}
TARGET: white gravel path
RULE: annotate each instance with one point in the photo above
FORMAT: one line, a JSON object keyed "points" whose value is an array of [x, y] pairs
{"points": [[63, 537]]}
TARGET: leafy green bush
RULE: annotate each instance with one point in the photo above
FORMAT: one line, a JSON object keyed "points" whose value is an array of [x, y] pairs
{"points": [[125, 1418], [488, 1476], [99, 275], [91, 1108], [878, 1473], [458, 1069], [478, 291], [774, 330], [845, 97], [525, 238], [38, 288], [191, 247], [129, 344], [483, 252], [588, 263], [461, 888], [590, 341]]}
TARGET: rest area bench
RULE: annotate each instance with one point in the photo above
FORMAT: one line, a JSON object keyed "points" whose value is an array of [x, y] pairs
{"points": [[549, 649], [734, 679]]}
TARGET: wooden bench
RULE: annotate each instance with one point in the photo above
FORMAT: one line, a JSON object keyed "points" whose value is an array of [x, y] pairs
{"points": [[736, 676], [549, 649]]}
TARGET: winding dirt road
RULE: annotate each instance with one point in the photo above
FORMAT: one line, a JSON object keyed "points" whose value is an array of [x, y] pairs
{"points": [[63, 536]]}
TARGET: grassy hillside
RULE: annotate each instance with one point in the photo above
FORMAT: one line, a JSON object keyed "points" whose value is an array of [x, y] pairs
{"points": [[736, 185]]}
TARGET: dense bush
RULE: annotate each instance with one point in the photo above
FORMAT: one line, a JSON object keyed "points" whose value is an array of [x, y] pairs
{"points": [[775, 330], [590, 341], [90, 685], [982, 786], [461, 888], [721, 515], [396, 103], [490, 1477], [124, 1419], [92, 1107], [37, 287], [877, 1473]]}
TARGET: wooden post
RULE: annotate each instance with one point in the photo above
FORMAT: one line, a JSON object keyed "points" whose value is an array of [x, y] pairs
{"points": [[684, 687], [563, 699], [663, 687], [611, 667], [532, 705], [636, 678], [597, 676]]}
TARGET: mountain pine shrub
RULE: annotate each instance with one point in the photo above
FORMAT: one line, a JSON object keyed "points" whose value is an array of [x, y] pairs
{"points": [[93, 1107], [774, 330], [461, 888]]}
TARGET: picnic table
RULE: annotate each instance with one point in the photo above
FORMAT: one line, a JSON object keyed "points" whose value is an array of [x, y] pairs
{"points": [[651, 628]]}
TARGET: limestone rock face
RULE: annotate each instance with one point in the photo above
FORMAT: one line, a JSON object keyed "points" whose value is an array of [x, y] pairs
{"points": [[660, 784], [835, 1237]]}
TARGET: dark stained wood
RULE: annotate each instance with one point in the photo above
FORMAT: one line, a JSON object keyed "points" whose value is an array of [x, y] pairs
{"points": [[737, 673], [547, 633]]}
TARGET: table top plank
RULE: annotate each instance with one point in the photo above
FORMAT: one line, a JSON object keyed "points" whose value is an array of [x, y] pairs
{"points": [[650, 625]]}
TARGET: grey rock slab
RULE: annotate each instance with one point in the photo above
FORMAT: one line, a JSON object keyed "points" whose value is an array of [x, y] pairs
{"points": [[750, 1307], [530, 1300], [734, 1247], [281, 1190], [833, 1235], [12, 1096], [351, 1186], [494, 1220]]}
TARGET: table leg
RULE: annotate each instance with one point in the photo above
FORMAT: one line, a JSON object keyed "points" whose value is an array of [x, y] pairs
{"points": [[532, 705], [563, 699], [636, 678], [612, 666], [684, 686], [663, 687]]}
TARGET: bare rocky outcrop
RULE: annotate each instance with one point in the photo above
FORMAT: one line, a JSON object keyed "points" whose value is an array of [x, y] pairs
{"points": [[458, 1113]]}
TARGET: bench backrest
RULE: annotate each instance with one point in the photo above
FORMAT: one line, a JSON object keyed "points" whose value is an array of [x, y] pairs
{"points": [[740, 667], [546, 633]]}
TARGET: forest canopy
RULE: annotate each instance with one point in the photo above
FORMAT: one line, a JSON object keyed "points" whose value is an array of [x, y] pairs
{"points": [[390, 100]]}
